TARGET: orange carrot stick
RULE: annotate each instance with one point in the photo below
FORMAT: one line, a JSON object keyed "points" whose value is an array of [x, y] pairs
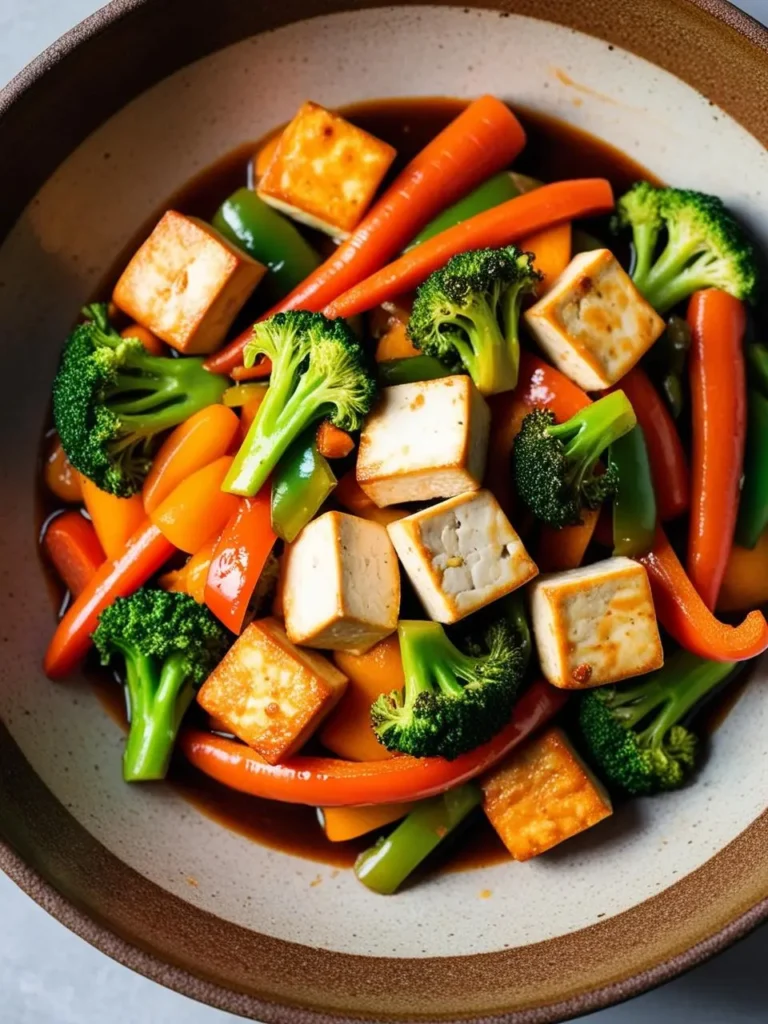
{"points": [[114, 519], [202, 439], [72, 545], [483, 139], [332, 442], [559, 550], [150, 341], [509, 222], [552, 249]]}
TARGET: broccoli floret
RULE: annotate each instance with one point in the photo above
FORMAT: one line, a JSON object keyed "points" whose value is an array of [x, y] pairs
{"points": [[633, 733], [452, 701], [466, 315], [319, 372], [704, 247], [111, 399], [554, 464], [169, 645]]}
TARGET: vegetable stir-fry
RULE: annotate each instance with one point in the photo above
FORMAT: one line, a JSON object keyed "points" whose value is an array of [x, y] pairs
{"points": [[441, 526]]}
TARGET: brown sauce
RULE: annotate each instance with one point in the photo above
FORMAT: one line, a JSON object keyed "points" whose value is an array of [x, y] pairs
{"points": [[554, 151]]}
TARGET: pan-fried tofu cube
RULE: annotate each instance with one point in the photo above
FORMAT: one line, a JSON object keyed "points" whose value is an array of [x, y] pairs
{"points": [[325, 171], [542, 794], [341, 584], [424, 441], [593, 323], [269, 693], [461, 555], [187, 284], [595, 625]]}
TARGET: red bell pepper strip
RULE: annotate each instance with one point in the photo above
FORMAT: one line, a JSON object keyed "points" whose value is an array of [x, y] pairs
{"points": [[239, 558], [326, 782], [688, 620], [669, 469], [145, 553], [483, 139], [719, 415]]}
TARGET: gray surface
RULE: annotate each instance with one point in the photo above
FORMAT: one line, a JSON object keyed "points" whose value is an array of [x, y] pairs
{"points": [[49, 976]]}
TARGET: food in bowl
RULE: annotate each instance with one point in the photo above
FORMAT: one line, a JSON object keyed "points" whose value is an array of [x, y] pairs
{"points": [[401, 487]]}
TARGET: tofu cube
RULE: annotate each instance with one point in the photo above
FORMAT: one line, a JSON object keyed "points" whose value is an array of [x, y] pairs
{"points": [[187, 284], [269, 693], [424, 441], [595, 625], [461, 555], [341, 584], [542, 794], [593, 323], [325, 171]]}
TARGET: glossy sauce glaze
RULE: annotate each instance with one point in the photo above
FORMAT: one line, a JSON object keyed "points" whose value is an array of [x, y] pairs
{"points": [[554, 151]]}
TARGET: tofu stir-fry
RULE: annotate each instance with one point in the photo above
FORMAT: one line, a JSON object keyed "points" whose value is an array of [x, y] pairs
{"points": [[412, 488]]}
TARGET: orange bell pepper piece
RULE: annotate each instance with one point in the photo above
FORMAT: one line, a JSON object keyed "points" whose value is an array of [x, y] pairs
{"points": [[197, 509], [552, 249], [745, 583], [190, 579], [114, 519]]}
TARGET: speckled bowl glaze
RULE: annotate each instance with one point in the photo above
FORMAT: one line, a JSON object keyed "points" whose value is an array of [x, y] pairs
{"points": [[91, 145]]}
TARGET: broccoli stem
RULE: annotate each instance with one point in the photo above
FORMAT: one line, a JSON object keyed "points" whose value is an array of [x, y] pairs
{"points": [[673, 277], [588, 433], [428, 654], [386, 865], [154, 393], [158, 702], [644, 238], [492, 361]]}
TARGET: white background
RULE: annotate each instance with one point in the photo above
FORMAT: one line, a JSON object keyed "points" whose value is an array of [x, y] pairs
{"points": [[48, 976]]}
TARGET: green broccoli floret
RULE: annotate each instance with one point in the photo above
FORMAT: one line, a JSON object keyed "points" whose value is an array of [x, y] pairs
{"points": [[453, 701], [554, 464], [633, 733], [169, 645], [111, 399], [704, 247], [466, 315], [319, 372]]}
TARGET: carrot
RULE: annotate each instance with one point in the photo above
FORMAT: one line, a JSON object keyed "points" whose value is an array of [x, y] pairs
{"points": [[150, 341], [114, 519], [190, 579], [719, 415], [510, 222], [343, 823], [72, 545], [332, 442], [483, 139], [258, 371], [669, 468], [197, 509], [552, 249], [202, 439], [559, 550], [61, 477], [144, 554]]}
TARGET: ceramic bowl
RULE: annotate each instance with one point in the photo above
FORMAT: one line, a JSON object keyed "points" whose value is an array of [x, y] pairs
{"points": [[92, 143]]}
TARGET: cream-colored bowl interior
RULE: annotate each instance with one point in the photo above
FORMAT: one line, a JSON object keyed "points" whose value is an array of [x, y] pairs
{"points": [[60, 249]]}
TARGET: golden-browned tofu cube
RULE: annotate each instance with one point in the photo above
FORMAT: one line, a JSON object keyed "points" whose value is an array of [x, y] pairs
{"points": [[269, 693], [325, 171], [542, 794], [187, 284]]}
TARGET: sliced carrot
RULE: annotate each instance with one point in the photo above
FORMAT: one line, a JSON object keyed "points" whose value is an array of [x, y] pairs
{"points": [[197, 509], [61, 477], [484, 139], [332, 442], [190, 579], [114, 519], [258, 371], [552, 249], [72, 545], [509, 222], [150, 341], [353, 498], [202, 439], [248, 412], [395, 344], [559, 550], [343, 823]]}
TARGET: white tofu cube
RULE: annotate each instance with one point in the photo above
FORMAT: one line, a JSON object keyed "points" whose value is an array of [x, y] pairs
{"points": [[595, 625], [593, 323], [187, 284], [424, 441], [324, 171], [461, 555], [341, 584]]}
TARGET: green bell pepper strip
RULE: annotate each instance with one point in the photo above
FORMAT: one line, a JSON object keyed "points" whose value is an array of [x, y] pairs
{"points": [[248, 222], [634, 504], [300, 484], [386, 865], [753, 505], [493, 192], [411, 370]]}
